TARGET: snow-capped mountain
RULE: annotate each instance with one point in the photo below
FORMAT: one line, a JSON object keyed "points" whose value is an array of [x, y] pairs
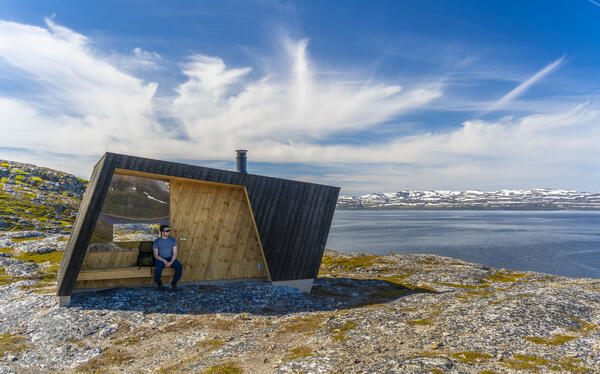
{"points": [[538, 198]]}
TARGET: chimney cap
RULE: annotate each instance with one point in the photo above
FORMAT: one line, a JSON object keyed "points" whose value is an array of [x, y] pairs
{"points": [[240, 161]]}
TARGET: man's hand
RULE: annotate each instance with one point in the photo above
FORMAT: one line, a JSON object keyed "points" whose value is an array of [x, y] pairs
{"points": [[165, 262], [168, 264]]}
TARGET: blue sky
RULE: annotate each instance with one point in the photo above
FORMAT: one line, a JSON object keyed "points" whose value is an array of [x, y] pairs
{"points": [[373, 97]]}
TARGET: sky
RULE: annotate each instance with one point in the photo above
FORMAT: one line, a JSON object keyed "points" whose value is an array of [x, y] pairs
{"points": [[369, 96]]}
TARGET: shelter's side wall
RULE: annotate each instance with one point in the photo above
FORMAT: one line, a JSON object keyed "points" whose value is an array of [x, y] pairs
{"points": [[220, 238], [293, 220], [84, 224]]}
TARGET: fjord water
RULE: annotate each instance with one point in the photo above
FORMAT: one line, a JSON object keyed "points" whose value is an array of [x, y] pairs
{"points": [[555, 242]]}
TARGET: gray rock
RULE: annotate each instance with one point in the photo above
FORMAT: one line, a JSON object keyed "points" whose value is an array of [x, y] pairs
{"points": [[62, 324], [43, 245], [6, 242], [16, 267], [23, 234]]}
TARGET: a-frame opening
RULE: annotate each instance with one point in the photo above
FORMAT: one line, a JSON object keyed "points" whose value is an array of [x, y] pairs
{"points": [[212, 222]]}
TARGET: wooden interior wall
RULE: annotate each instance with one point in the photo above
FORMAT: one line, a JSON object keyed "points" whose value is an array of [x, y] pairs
{"points": [[221, 240], [108, 260]]}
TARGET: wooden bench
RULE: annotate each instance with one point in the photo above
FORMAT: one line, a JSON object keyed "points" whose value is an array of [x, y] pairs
{"points": [[119, 273]]}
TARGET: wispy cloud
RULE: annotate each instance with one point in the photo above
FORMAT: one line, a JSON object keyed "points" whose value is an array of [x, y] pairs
{"points": [[76, 101], [594, 2], [296, 106], [521, 88], [85, 104]]}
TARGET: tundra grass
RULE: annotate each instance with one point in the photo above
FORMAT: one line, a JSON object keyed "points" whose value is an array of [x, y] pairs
{"points": [[230, 367], [298, 352]]}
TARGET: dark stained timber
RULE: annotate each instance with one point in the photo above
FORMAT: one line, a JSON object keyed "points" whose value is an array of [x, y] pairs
{"points": [[292, 218]]}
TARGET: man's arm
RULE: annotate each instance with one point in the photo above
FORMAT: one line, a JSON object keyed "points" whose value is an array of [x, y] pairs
{"points": [[173, 257], [156, 256]]}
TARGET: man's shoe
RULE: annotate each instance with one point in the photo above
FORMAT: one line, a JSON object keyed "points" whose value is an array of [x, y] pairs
{"points": [[173, 287], [160, 287]]}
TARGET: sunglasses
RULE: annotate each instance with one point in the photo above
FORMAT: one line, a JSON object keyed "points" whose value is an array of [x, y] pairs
{"points": [[166, 230]]}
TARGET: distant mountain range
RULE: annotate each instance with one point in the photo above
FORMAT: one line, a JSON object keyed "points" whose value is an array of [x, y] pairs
{"points": [[535, 199]]}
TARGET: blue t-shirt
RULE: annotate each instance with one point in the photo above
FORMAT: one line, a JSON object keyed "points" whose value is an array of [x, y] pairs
{"points": [[165, 246]]}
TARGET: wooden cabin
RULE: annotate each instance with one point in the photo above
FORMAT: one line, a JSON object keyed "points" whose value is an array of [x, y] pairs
{"points": [[229, 225]]}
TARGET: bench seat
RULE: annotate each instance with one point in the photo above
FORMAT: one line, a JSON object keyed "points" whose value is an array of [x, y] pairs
{"points": [[119, 273]]}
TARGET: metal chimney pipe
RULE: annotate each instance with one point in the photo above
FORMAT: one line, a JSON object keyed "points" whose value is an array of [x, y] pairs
{"points": [[240, 161]]}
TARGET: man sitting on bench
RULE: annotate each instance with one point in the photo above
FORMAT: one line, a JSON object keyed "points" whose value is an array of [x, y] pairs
{"points": [[165, 255]]}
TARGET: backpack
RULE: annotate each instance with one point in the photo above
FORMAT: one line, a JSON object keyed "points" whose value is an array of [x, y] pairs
{"points": [[146, 255]]}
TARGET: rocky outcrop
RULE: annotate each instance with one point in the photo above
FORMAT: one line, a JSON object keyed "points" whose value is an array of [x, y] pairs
{"points": [[37, 198], [390, 314]]}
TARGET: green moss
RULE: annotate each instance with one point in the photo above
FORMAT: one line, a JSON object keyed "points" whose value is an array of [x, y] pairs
{"points": [[304, 324], [436, 371], [553, 340], [230, 367], [19, 240], [535, 364], [469, 286], [37, 179], [112, 356], [210, 344], [4, 180], [127, 341], [428, 354], [420, 322], [7, 279], [430, 261], [298, 352], [349, 263], [340, 332], [584, 327], [6, 250], [19, 178], [12, 344], [40, 287], [5, 164], [398, 280], [82, 180], [507, 276], [471, 357], [487, 372], [19, 171], [54, 257], [474, 294], [176, 367]]}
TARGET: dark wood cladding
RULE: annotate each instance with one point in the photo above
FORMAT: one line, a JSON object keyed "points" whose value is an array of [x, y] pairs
{"points": [[293, 218]]}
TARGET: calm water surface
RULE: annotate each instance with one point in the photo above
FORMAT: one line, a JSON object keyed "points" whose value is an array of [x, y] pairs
{"points": [[555, 242]]}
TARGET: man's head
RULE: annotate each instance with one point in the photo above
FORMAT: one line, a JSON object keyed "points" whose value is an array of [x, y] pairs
{"points": [[165, 231]]}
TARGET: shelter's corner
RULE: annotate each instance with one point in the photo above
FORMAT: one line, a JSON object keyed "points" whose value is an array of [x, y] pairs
{"points": [[64, 301], [304, 285]]}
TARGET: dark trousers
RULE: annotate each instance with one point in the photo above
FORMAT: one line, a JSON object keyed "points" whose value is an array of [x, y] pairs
{"points": [[159, 266]]}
